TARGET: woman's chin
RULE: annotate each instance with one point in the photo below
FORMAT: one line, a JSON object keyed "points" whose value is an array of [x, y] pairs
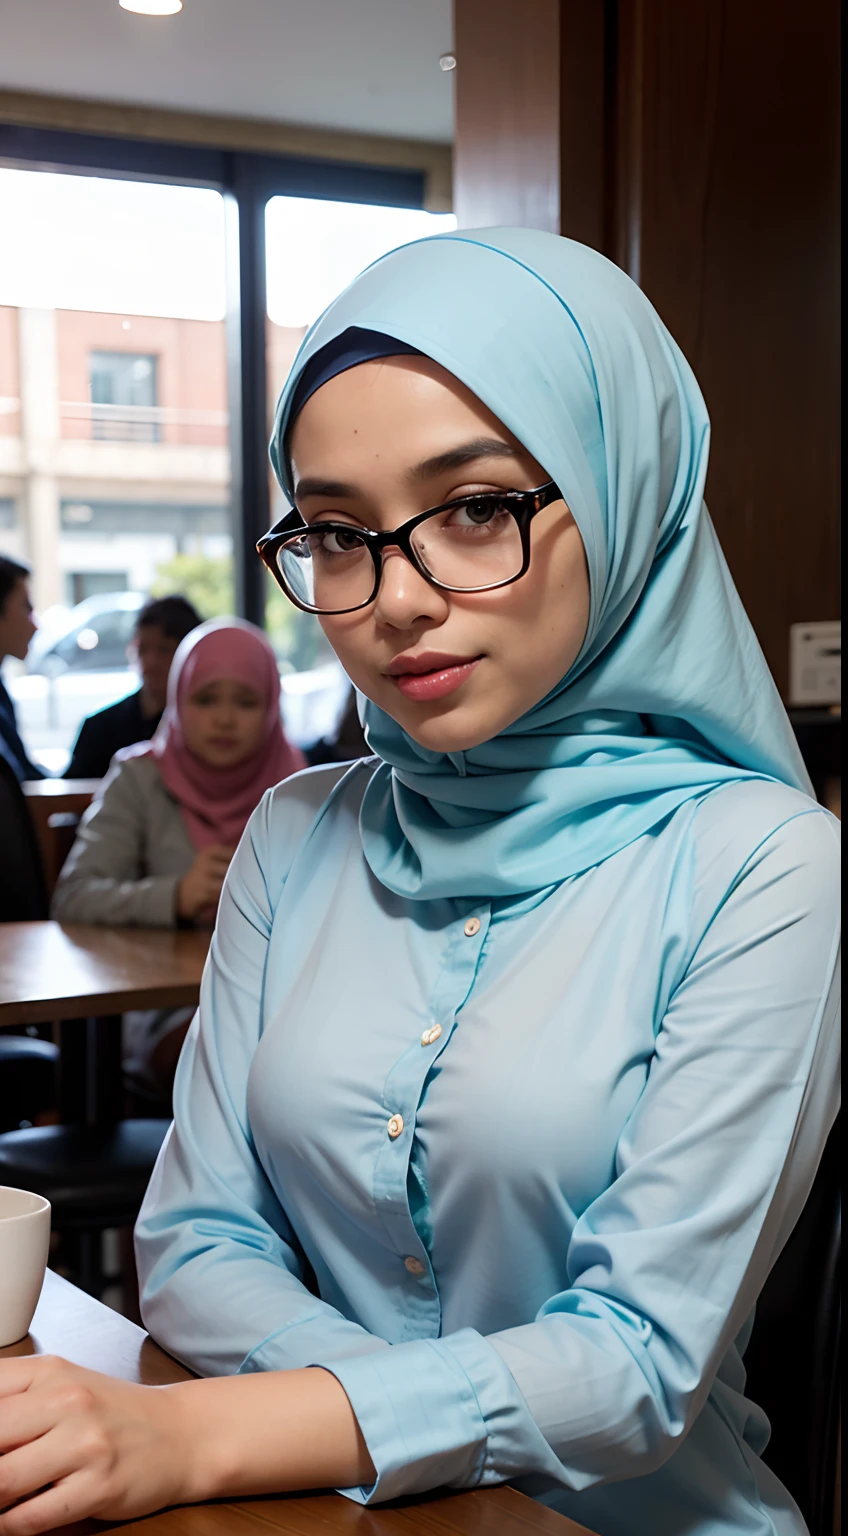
{"points": [[457, 730], [217, 759]]}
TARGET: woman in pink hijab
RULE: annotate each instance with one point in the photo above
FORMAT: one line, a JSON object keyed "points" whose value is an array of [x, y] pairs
{"points": [[154, 847], [220, 743]]}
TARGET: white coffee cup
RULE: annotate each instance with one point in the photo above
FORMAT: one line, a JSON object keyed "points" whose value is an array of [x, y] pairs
{"points": [[24, 1244]]}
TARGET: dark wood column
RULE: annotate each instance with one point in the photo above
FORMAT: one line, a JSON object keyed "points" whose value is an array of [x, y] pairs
{"points": [[696, 144]]}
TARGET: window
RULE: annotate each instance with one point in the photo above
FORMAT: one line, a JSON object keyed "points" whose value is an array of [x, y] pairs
{"points": [[118, 344], [123, 397], [132, 281]]}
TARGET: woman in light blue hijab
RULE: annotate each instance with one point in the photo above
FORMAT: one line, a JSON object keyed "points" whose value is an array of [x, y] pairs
{"points": [[670, 686], [516, 1051]]}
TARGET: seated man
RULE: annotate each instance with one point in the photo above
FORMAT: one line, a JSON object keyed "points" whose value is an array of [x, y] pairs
{"points": [[161, 624]]}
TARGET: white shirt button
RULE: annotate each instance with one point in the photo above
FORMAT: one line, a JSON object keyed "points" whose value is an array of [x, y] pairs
{"points": [[413, 1266], [395, 1126], [430, 1036], [472, 927]]}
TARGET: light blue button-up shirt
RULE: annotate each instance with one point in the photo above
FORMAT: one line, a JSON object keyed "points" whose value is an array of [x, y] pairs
{"points": [[514, 1173]]}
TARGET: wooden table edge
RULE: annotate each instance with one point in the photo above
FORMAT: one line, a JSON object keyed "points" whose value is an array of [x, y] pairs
{"points": [[96, 1005]]}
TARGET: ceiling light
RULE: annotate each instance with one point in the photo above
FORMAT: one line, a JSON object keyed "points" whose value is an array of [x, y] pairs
{"points": [[446, 62], [152, 7]]}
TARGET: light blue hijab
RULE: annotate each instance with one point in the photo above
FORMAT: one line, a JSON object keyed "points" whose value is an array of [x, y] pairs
{"points": [[670, 695]]}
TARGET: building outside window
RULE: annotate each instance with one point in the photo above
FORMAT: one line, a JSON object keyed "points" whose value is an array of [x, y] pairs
{"points": [[83, 584], [123, 397]]}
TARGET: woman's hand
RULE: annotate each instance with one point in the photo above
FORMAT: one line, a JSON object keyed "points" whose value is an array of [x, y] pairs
{"points": [[199, 890], [74, 1443]]}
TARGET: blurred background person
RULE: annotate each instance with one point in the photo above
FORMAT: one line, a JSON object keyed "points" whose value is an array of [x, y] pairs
{"points": [[154, 847], [17, 627], [162, 623], [345, 743]]}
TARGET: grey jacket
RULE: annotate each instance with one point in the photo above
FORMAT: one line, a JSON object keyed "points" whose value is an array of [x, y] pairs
{"points": [[130, 853]]}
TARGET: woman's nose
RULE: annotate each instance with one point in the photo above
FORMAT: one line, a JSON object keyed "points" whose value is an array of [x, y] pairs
{"points": [[404, 596]]}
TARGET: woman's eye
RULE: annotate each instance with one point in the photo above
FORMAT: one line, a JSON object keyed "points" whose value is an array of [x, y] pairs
{"points": [[477, 514], [481, 512], [336, 541]]}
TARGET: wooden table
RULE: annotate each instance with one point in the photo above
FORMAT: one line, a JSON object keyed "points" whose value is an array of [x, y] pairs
{"points": [[75, 971], [71, 1324], [51, 797], [77, 792]]}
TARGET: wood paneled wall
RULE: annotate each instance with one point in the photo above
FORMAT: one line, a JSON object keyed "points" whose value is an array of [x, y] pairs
{"points": [[510, 140], [696, 144]]}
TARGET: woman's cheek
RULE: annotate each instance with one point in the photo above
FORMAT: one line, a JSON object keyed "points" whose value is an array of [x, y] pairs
{"points": [[354, 642], [255, 733]]}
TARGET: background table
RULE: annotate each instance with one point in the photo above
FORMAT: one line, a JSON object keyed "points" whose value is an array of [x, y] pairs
{"points": [[71, 1324], [72, 970], [76, 971]]}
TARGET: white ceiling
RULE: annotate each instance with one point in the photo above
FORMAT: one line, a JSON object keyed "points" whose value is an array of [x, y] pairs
{"points": [[369, 66]]}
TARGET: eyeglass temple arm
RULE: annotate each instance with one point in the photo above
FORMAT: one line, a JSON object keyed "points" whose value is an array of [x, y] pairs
{"points": [[291, 523]]}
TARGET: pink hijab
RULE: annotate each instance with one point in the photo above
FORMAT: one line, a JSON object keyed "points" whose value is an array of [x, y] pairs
{"points": [[216, 802]]}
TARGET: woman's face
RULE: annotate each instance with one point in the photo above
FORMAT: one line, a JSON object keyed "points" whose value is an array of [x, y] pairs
{"points": [[223, 722], [392, 438], [17, 625]]}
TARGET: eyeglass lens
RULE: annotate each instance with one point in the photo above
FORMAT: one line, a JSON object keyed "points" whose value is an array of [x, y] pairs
{"points": [[473, 545]]}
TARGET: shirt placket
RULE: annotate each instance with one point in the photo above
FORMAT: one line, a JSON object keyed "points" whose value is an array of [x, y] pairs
{"points": [[402, 1092]]}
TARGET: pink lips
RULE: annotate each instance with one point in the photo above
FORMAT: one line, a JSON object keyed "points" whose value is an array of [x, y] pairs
{"points": [[430, 675]]}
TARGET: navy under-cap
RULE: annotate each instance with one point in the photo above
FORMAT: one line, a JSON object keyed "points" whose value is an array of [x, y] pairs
{"points": [[354, 346]]}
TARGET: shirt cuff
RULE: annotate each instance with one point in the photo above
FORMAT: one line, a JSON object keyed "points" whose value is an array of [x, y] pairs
{"points": [[439, 1412]]}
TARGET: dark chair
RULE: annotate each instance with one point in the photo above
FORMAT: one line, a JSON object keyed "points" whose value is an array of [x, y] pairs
{"points": [[28, 1080], [93, 1176], [23, 892], [62, 828], [792, 1360]]}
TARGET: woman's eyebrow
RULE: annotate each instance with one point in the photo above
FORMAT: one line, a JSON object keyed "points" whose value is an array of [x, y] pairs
{"points": [[464, 453], [312, 485], [428, 469]]}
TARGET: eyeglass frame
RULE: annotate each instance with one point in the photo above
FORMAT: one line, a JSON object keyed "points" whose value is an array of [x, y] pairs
{"points": [[523, 506]]}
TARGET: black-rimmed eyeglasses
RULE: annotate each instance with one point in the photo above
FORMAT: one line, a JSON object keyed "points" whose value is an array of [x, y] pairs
{"points": [[472, 544]]}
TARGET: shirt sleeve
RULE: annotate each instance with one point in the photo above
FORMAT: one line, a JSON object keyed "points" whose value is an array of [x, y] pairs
{"points": [[222, 1277], [712, 1171], [102, 880]]}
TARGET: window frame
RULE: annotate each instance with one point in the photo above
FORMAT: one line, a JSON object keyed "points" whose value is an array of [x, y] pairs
{"points": [[247, 181]]}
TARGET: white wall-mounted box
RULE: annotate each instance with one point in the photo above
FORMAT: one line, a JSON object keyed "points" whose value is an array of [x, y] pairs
{"points": [[815, 664]]}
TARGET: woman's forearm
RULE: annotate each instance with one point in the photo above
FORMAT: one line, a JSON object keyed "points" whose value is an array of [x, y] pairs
{"points": [[268, 1433], [149, 902]]}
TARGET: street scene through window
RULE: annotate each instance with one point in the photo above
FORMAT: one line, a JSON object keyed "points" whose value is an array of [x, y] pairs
{"points": [[114, 426]]}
